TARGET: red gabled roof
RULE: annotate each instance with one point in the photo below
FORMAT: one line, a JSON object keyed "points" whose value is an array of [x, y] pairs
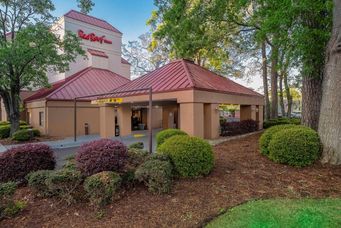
{"points": [[86, 82], [183, 75], [91, 20], [98, 53]]}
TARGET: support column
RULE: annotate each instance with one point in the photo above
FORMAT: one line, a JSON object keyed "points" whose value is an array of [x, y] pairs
{"points": [[211, 121], [260, 116], [192, 118], [106, 121], [247, 112], [124, 119]]}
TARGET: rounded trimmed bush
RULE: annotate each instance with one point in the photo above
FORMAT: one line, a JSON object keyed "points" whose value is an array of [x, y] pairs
{"points": [[162, 136], [100, 187], [191, 156], [19, 161], [295, 146], [4, 131], [267, 136], [101, 155]]}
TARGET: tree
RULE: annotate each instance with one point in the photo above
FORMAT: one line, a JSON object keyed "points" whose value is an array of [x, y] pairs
{"points": [[192, 31], [330, 115], [28, 48], [143, 56], [85, 5], [304, 25]]}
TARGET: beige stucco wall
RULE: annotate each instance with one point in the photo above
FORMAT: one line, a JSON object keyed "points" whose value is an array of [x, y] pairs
{"points": [[33, 110], [107, 121], [192, 118], [59, 117], [211, 121], [169, 110], [225, 98], [114, 52], [3, 115]]}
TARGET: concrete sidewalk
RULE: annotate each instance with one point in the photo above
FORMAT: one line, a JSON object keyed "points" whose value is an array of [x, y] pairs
{"points": [[137, 136]]}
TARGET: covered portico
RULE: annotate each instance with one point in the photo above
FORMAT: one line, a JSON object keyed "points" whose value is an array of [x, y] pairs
{"points": [[194, 111]]}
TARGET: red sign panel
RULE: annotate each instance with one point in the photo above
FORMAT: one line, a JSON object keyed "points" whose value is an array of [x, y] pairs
{"points": [[93, 38]]}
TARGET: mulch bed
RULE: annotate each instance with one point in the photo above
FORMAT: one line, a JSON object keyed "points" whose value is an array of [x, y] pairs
{"points": [[241, 174]]}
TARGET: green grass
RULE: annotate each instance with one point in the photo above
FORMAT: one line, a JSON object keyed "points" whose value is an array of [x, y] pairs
{"points": [[283, 213]]}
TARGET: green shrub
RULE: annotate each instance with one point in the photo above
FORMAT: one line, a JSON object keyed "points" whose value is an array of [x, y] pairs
{"points": [[156, 174], [162, 136], [295, 146], [25, 134], [37, 181], [13, 208], [4, 123], [36, 132], [191, 156], [21, 135], [4, 131], [21, 122], [70, 163], [137, 145], [267, 135], [100, 187], [128, 178], [23, 127], [136, 157], [7, 189], [64, 184], [280, 121]]}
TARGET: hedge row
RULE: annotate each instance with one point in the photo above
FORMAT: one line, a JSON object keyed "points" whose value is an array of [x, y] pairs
{"points": [[281, 121], [238, 128]]}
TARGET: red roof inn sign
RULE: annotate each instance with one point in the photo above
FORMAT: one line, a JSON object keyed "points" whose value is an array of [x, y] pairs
{"points": [[93, 38]]}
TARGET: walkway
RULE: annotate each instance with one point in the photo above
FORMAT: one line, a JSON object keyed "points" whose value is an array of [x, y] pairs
{"points": [[137, 136]]}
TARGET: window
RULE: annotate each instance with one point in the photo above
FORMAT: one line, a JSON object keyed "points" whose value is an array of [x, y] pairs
{"points": [[41, 118]]}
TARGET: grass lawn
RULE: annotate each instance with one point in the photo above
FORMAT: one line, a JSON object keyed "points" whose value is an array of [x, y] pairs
{"points": [[283, 213]]}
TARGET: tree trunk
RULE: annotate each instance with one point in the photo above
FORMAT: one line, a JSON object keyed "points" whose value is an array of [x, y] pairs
{"points": [[12, 107], [274, 78], [311, 99], [288, 94], [265, 82], [281, 95], [330, 117]]}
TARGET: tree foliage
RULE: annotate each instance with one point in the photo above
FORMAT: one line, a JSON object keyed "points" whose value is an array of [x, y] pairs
{"points": [[28, 49], [142, 57]]}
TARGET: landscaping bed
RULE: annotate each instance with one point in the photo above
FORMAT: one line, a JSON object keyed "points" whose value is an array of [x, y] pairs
{"points": [[42, 138], [240, 174]]}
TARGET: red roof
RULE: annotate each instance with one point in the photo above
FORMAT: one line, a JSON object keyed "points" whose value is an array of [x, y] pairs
{"points": [[86, 82], [91, 20], [97, 53], [124, 61], [183, 75]]}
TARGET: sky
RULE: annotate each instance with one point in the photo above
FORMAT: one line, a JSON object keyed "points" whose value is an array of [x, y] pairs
{"points": [[130, 16]]}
